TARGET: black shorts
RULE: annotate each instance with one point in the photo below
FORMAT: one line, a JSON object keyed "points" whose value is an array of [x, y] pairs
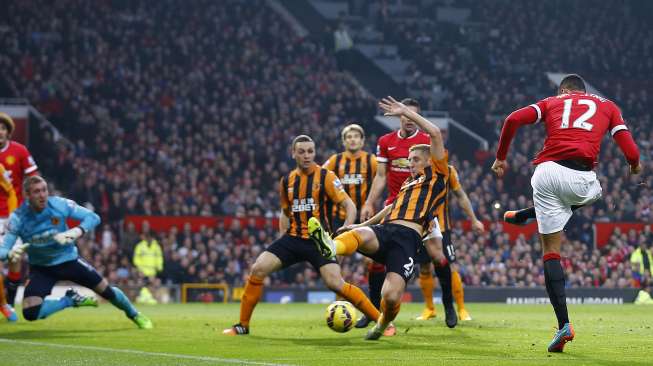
{"points": [[397, 248], [336, 223], [291, 250], [43, 278], [448, 250]]}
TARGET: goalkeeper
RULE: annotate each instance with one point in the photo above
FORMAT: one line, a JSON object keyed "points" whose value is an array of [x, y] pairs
{"points": [[40, 222]]}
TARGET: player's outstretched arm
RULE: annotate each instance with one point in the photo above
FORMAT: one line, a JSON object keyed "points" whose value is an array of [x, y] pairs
{"points": [[372, 221], [88, 219], [391, 107], [350, 209], [624, 139], [466, 205], [628, 147], [516, 119]]}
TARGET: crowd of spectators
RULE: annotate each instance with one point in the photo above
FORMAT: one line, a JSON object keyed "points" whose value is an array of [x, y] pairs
{"points": [[188, 109]]}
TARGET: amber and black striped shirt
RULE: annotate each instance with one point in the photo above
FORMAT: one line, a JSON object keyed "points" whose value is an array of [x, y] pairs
{"points": [[306, 195], [419, 198], [356, 173], [452, 184]]}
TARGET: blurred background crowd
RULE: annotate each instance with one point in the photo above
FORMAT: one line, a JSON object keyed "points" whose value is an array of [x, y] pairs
{"points": [[192, 115]]}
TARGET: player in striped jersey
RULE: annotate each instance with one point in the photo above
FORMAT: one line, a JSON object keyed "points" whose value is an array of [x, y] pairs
{"points": [[393, 235], [355, 168], [304, 195], [445, 256]]}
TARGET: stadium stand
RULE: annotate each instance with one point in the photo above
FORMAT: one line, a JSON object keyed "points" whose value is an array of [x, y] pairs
{"points": [[178, 118]]}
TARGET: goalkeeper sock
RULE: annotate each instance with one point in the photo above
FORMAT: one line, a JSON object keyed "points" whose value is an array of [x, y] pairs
{"points": [[554, 278], [49, 307], [426, 285], [251, 296], [357, 297], [457, 290], [347, 243], [120, 300]]}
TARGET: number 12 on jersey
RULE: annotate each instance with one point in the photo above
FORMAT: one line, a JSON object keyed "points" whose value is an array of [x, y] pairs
{"points": [[581, 121]]}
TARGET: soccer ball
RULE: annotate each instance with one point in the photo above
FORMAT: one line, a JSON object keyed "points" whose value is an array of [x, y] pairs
{"points": [[340, 316]]}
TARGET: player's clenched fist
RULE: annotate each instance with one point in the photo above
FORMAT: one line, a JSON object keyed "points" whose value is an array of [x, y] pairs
{"points": [[636, 169], [367, 211], [498, 167]]}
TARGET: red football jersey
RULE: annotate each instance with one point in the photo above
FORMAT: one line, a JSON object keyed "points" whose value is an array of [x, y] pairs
{"points": [[18, 163], [392, 150], [575, 124]]}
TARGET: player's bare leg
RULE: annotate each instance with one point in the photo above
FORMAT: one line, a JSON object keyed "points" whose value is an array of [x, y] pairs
{"points": [[393, 289], [375, 278], [360, 239], [265, 264], [554, 277], [332, 277]]}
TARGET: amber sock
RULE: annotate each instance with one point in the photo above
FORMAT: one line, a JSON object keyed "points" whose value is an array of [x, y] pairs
{"points": [[389, 314], [357, 297], [347, 243], [426, 284], [251, 296], [457, 290]]}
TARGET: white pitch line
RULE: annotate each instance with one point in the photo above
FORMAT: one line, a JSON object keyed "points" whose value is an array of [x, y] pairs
{"points": [[144, 353]]}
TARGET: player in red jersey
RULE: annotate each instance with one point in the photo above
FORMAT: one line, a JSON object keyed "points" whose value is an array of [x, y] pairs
{"points": [[564, 179], [392, 170], [15, 163]]}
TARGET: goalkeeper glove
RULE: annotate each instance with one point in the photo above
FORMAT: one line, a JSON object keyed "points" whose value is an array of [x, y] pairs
{"points": [[16, 252], [68, 236]]}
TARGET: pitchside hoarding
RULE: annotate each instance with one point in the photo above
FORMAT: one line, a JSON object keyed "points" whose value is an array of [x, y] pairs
{"points": [[505, 295]]}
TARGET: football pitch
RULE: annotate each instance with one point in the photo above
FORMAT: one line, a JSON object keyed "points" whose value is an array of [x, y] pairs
{"points": [[296, 334]]}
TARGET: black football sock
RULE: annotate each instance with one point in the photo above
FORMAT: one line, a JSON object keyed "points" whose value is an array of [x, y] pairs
{"points": [[554, 277], [13, 281], [529, 213], [444, 277], [525, 214], [375, 280]]}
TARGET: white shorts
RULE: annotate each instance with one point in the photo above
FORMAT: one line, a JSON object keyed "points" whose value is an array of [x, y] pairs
{"points": [[435, 231], [555, 189]]}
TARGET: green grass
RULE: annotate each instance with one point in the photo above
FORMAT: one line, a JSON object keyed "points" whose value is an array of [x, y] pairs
{"points": [[296, 334]]}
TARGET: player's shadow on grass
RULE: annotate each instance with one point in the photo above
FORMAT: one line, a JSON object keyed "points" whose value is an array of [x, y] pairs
{"points": [[58, 333]]}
